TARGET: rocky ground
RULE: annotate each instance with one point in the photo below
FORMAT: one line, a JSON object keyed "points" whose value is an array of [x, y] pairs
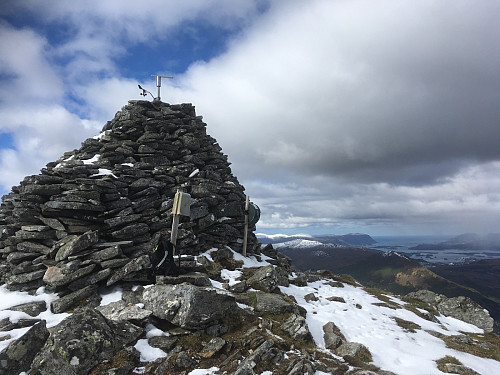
{"points": [[225, 314]]}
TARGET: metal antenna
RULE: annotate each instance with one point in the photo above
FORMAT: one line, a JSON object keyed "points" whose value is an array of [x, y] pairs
{"points": [[158, 84]]}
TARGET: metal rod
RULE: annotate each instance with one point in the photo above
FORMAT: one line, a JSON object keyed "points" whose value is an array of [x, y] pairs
{"points": [[158, 83]]}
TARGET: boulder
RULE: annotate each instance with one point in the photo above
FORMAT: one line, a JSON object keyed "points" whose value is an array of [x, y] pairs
{"points": [[17, 357], [271, 302], [265, 279], [64, 303], [82, 341], [121, 311], [189, 306], [332, 336], [354, 349], [296, 326]]}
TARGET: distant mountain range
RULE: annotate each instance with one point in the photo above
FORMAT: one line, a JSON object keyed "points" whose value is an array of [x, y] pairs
{"points": [[468, 241], [306, 240]]}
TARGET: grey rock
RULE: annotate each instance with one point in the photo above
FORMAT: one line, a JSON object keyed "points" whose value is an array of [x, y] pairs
{"points": [[467, 310], [353, 349], [31, 308], [53, 223], [135, 265], [265, 279], [273, 303], [77, 244], [17, 357], [332, 336], [197, 279], [26, 277], [296, 326], [17, 257], [82, 341], [311, 297], [185, 362], [259, 354], [56, 276], [165, 343], [212, 347], [105, 254], [90, 279], [121, 311], [301, 366], [54, 207], [64, 303], [130, 232], [32, 247], [115, 263], [459, 369], [189, 306]]}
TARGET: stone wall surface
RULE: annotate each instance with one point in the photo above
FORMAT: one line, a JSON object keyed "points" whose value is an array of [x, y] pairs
{"points": [[94, 215]]}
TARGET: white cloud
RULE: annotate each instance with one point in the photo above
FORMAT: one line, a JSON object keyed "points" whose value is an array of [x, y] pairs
{"points": [[24, 61], [333, 113]]}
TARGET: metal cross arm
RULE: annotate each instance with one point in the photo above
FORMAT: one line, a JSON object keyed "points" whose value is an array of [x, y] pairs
{"points": [[158, 83]]}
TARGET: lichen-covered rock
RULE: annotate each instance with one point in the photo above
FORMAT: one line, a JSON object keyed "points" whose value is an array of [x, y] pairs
{"points": [[354, 349], [82, 341], [265, 279], [332, 336], [121, 311], [270, 302], [296, 326], [17, 357], [189, 306]]}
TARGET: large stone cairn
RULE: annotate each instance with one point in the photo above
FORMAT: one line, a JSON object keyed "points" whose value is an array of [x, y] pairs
{"points": [[92, 217]]}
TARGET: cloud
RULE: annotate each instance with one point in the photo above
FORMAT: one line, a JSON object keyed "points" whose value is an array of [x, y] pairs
{"points": [[335, 114], [374, 92], [42, 134], [25, 64]]}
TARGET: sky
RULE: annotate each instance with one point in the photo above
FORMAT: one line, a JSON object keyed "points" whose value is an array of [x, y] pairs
{"points": [[338, 116]]}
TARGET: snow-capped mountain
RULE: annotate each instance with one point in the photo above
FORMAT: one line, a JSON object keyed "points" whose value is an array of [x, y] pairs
{"points": [[351, 239]]}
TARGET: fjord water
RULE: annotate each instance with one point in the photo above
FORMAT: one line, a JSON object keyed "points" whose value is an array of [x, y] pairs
{"points": [[403, 244]]}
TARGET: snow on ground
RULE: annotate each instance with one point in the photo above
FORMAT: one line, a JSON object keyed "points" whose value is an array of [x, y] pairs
{"points": [[299, 243], [9, 299], [112, 294], [393, 348]]}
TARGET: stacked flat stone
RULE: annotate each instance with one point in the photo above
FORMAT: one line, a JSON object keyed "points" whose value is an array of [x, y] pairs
{"points": [[91, 217]]}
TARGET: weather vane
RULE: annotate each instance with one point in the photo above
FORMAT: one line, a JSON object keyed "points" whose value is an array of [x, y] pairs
{"points": [[158, 85]]}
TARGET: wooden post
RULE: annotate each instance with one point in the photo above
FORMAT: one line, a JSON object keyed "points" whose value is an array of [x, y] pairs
{"points": [[175, 226], [245, 233]]}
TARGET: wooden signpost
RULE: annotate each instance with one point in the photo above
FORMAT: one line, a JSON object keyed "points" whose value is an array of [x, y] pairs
{"points": [[182, 204], [245, 233]]}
